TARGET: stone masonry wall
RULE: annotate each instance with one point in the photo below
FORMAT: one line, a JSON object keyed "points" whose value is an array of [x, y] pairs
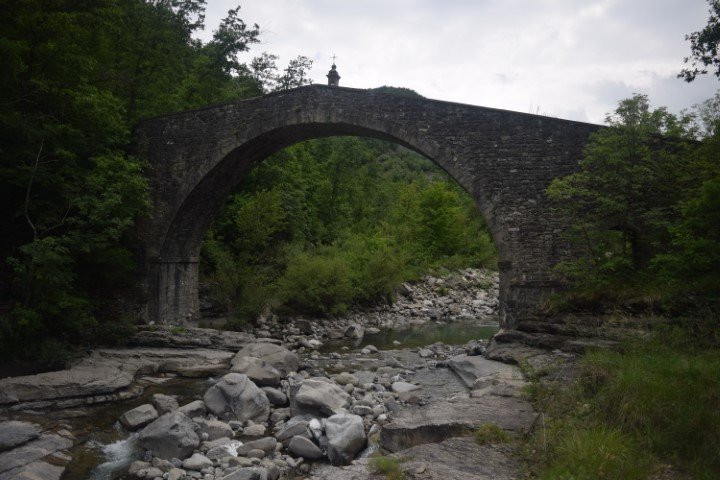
{"points": [[504, 160]]}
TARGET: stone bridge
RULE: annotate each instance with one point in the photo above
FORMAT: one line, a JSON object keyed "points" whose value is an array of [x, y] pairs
{"points": [[503, 159]]}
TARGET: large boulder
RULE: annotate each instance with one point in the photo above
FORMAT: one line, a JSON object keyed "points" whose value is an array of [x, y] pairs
{"points": [[346, 437], [164, 403], [319, 394], [194, 409], [258, 370], [279, 357], [305, 448], [236, 396], [138, 417], [170, 436], [298, 425]]}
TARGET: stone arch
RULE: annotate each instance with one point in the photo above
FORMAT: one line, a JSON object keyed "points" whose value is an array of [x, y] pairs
{"points": [[504, 160]]}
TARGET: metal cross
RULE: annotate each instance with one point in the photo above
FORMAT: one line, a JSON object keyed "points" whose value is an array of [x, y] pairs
{"points": [[333, 57]]}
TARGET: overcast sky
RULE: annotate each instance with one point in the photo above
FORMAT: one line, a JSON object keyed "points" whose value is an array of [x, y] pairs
{"points": [[566, 58]]}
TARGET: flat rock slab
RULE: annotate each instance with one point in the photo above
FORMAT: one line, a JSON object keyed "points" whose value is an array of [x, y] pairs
{"points": [[540, 360], [15, 433], [13, 461], [191, 337], [35, 471], [453, 459], [472, 368], [107, 371], [438, 421], [461, 459]]}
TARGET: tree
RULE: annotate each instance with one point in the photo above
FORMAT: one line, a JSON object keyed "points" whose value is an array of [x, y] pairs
{"points": [[626, 193], [295, 74], [704, 46]]}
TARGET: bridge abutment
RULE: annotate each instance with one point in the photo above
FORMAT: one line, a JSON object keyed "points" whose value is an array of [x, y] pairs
{"points": [[173, 291]]}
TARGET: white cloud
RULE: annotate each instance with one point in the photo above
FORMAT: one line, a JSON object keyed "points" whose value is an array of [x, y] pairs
{"points": [[568, 58]]}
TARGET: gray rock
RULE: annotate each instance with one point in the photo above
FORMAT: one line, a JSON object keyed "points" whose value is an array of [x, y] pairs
{"points": [[15, 433], [109, 371], [426, 353], [321, 394], [138, 417], [35, 471], [355, 331], [457, 459], [136, 466], [438, 421], [279, 357], [275, 396], [170, 436], [255, 453], [256, 430], [191, 337], [164, 403], [46, 444], [215, 429], [305, 448], [236, 396], [197, 462], [150, 472], [346, 437], [403, 387], [266, 444], [294, 426], [362, 410], [175, 474], [472, 368], [194, 409], [346, 378], [259, 371], [248, 473]]}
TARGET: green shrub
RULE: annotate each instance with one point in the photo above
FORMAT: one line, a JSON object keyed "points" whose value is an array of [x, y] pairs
{"points": [[115, 331], [388, 466], [315, 284], [491, 433]]}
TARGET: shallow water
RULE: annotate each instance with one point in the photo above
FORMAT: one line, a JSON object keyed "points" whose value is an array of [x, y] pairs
{"points": [[105, 450], [456, 333]]}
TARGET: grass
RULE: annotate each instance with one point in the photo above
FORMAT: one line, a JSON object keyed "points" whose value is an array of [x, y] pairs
{"points": [[178, 330], [388, 466], [653, 401], [491, 433]]}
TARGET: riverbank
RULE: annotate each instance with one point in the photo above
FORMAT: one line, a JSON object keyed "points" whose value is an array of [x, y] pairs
{"points": [[279, 399]]}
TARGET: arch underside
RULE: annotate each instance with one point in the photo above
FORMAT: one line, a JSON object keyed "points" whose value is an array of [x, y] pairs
{"points": [[194, 217], [504, 160]]}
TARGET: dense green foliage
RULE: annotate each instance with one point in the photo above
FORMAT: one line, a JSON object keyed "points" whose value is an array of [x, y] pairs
{"points": [[704, 47], [652, 403], [642, 209], [327, 224], [76, 77]]}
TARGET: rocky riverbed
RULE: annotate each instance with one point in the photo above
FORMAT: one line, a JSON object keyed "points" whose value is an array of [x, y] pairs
{"points": [[293, 398]]}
